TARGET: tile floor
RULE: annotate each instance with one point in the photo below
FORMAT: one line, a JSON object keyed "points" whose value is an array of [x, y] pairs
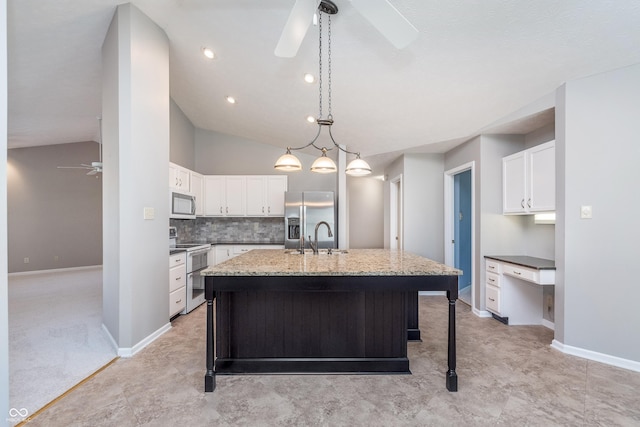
{"points": [[508, 375]]}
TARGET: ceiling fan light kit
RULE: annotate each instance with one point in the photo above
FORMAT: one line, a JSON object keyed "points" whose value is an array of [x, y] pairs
{"points": [[323, 164]]}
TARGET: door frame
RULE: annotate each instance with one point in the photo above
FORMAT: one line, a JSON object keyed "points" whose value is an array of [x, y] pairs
{"points": [[449, 223], [396, 213]]}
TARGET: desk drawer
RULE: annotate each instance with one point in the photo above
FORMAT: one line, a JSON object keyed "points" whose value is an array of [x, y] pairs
{"points": [[493, 266], [493, 299], [493, 279], [523, 273]]}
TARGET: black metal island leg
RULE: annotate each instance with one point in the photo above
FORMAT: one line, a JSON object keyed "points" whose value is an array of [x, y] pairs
{"points": [[452, 377], [210, 376]]}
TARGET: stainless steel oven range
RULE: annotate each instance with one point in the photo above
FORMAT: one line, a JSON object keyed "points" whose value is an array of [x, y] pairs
{"points": [[197, 260]]}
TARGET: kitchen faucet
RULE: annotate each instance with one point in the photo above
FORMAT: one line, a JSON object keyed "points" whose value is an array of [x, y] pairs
{"points": [[314, 246]]}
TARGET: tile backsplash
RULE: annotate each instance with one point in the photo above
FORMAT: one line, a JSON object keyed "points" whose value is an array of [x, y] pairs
{"points": [[230, 230]]}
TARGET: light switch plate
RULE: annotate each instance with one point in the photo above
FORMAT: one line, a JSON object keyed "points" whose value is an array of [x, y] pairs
{"points": [[586, 212], [149, 213]]}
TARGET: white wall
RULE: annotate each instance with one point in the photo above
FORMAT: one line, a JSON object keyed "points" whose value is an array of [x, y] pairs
{"points": [[597, 147], [4, 295], [136, 154]]}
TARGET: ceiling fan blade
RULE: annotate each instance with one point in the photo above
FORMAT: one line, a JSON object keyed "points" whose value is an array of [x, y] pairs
{"points": [[296, 28], [73, 167], [386, 18], [93, 172]]}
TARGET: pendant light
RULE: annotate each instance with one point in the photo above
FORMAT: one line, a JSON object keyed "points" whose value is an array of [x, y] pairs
{"points": [[323, 164]]}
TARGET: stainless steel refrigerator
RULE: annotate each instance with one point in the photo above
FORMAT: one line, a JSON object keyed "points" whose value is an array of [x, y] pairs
{"points": [[302, 212]]}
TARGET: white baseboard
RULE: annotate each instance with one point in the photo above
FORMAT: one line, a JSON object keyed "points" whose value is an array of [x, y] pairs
{"points": [[130, 351], [55, 270], [607, 359], [481, 313], [548, 324]]}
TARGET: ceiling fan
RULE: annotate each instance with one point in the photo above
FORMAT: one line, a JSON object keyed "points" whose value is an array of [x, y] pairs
{"points": [[95, 167], [380, 13]]}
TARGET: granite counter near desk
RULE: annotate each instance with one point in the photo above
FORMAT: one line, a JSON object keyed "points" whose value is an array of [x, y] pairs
{"points": [[278, 311]]}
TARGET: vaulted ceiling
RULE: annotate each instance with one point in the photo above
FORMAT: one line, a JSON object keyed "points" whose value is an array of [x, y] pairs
{"points": [[473, 63]]}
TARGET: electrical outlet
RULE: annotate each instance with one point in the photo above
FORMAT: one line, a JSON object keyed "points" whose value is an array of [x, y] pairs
{"points": [[586, 212], [26, 260], [149, 213], [55, 257]]}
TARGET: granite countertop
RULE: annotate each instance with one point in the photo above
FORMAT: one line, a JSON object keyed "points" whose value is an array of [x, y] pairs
{"points": [[526, 261], [354, 262], [246, 243]]}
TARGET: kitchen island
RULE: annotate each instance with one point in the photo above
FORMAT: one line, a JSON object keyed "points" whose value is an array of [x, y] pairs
{"points": [[278, 311]]}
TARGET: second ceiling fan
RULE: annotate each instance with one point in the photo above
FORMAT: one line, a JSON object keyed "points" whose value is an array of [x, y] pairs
{"points": [[380, 13]]}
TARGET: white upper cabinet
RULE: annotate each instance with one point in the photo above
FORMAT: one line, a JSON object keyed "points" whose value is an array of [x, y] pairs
{"points": [[265, 195], [528, 180], [250, 195], [215, 199], [197, 189], [179, 178]]}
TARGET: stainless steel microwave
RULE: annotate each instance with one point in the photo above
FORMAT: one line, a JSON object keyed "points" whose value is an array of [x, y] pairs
{"points": [[182, 205]]}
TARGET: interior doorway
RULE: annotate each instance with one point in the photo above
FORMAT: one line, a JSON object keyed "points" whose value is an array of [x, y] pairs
{"points": [[395, 214], [459, 226]]}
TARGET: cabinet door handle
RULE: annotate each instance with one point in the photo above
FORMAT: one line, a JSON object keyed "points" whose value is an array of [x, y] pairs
{"points": [[179, 301], [517, 272], [220, 209], [269, 209], [492, 280], [492, 267], [529, 202], [263, 209], [227, 209], [522, 203], [492, 300], [178, 278]]}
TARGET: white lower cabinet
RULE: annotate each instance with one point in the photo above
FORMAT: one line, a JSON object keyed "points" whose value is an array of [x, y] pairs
{"points": [[225, 252], [177, 283]]}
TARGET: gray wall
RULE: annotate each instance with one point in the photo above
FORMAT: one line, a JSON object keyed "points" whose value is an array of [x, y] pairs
{"points": [[182, 147], [54, 212], [597, 130], [221, 154], [4, 309], [365, 212], [136, 118], [423, 210]]}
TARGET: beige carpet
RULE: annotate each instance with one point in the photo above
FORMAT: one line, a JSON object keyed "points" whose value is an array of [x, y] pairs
{"points": [[508, 376], [55, 334]]}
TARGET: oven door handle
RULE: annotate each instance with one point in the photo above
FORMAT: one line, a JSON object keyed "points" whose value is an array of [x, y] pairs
{"points": [[198, 252]]}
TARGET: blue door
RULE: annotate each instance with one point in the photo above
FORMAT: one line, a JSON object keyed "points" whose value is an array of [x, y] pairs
{"points": [[462, 227]]}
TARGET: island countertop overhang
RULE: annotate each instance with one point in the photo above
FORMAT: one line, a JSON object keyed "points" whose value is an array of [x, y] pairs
{"points": [[354, 262]]}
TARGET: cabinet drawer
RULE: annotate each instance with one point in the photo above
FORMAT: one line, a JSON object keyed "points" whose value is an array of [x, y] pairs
{"points": [[177, 301], [493, 267], [493, 299], [493, 279], [177, 277], [177, 259], [523, 273]]}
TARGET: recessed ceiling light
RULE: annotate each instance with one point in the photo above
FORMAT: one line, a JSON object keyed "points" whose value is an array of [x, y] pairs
{"points": [[231, 100], [309, 78], [208, 52], [311, 119]]}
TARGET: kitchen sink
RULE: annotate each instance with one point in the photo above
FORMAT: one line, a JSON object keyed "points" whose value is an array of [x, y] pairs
{"points": [[320, 252]]}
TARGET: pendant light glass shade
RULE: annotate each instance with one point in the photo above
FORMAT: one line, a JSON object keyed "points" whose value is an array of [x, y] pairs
{"points": [[324, 164], [358, 167], [288, 163]]}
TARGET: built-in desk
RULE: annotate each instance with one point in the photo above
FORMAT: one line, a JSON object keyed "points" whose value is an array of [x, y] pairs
{"points": [[514, 287]]}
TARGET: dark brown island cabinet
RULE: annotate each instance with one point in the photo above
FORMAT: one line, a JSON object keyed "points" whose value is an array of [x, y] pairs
{"points": [[279, 311]]}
